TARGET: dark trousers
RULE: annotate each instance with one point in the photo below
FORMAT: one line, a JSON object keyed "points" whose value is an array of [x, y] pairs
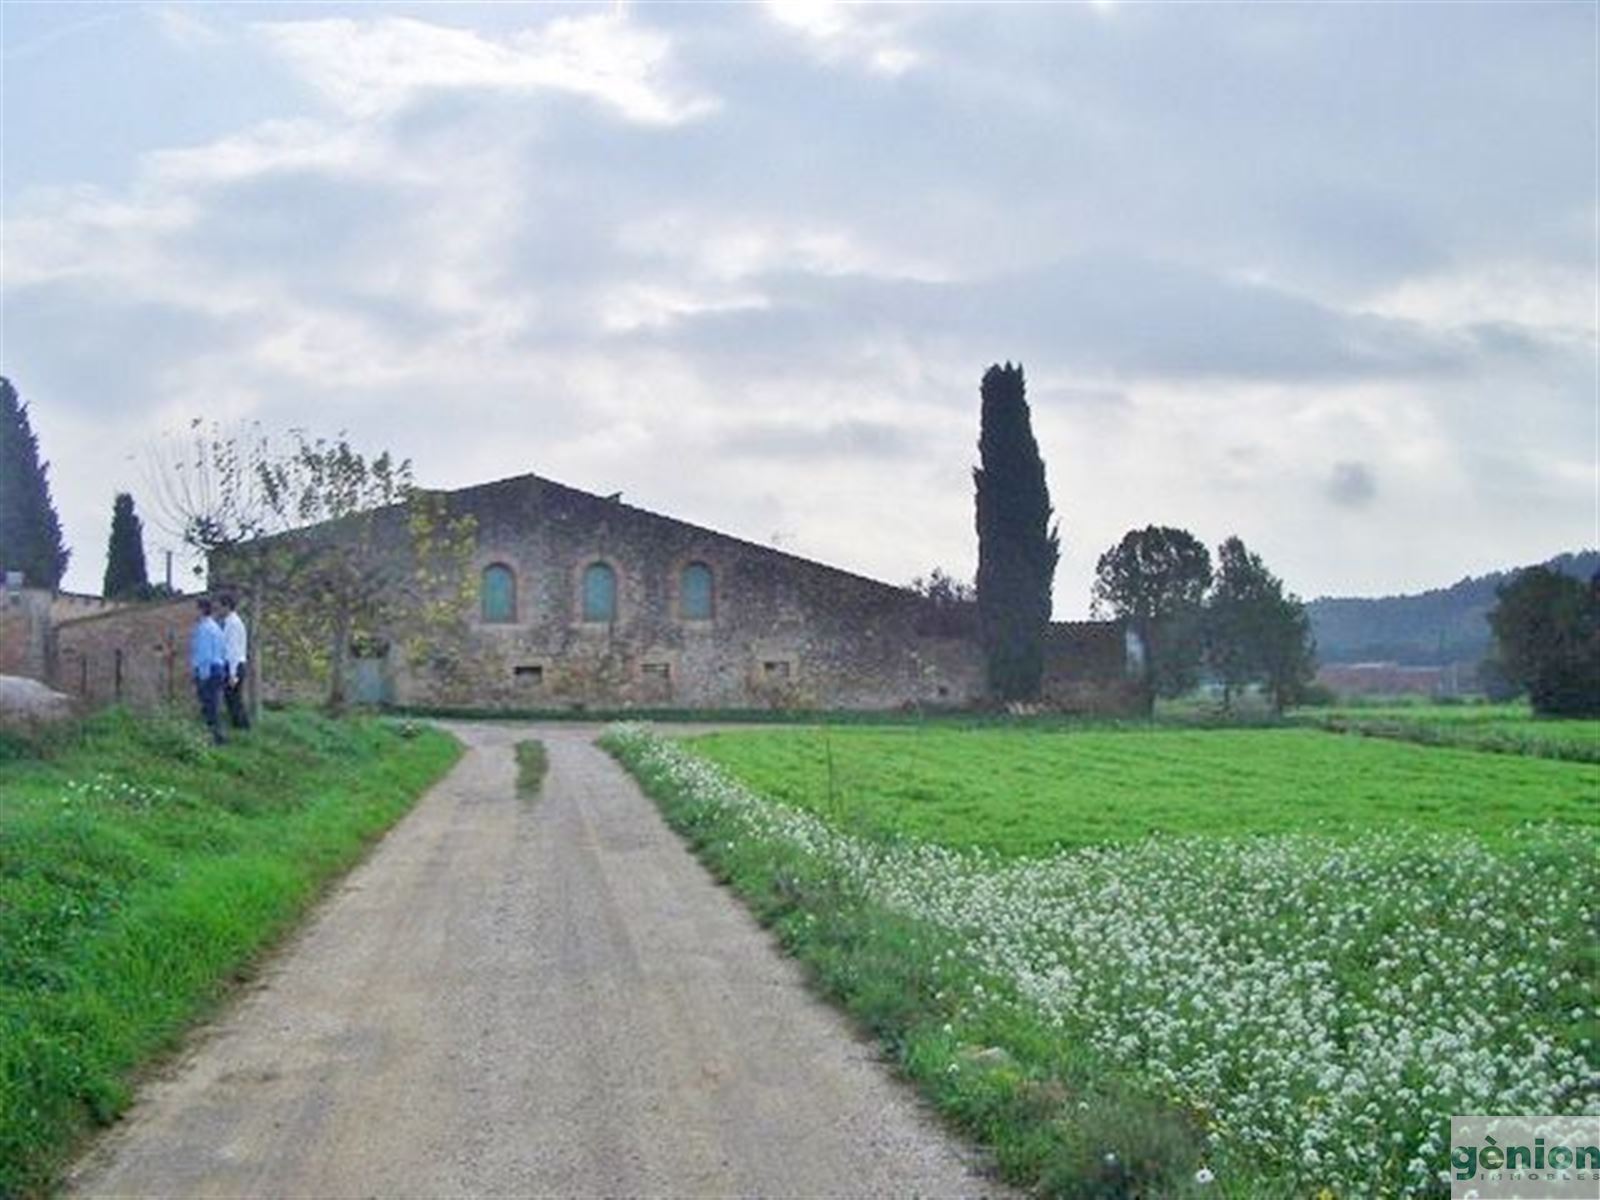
{"points": [[208, 688], [233, 693]]}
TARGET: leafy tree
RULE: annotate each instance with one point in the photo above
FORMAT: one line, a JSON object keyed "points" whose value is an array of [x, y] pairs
{"points": [[1289, 651], [1254, 630], [334, 550], [1156, 579], [952, 605], [1547, 639], [126, 577], [30, 531], [1017, 546]]}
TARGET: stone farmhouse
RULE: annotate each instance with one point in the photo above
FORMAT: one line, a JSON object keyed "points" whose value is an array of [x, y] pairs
{"points": [[584, 602]]}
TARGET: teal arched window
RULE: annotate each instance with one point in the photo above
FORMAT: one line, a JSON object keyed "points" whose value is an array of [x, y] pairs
{"points": [[499, 593], [695, 593], [599, 593]]}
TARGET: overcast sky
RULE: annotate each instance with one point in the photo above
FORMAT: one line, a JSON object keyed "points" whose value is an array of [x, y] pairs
{"points": [[1323, 276]]}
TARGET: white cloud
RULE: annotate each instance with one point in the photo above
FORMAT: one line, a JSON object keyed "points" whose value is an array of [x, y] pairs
{"points": [[726, 246], [302, 144], [872, 36], [1551, 296], [185, 28], [375, 68], [637, 306]]}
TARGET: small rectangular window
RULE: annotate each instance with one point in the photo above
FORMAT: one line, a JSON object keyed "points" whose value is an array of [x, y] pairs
{"points": [[656, 671], [528, 674], [775, 672]]}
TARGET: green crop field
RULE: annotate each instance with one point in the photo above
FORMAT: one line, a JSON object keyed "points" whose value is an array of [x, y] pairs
{"points": [[1503, 728], [1243, 963], [1027, 792]]}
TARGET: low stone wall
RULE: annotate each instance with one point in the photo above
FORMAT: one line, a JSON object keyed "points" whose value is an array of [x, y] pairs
{"points": [[25, 642], [136, 655], [1086, 669], [69, 606]]}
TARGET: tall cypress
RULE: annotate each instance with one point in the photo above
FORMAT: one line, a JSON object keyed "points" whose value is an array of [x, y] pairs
{"points": [[126, 577], [1017, 545], [30, 531]]}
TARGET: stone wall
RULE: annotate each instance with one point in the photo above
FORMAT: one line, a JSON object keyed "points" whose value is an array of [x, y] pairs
{"points": [[135, 654], [1086, 669], [68, 606], [25, 632]]}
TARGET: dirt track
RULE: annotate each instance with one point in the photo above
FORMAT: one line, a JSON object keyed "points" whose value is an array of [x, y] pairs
{"points": [[528, 998]]}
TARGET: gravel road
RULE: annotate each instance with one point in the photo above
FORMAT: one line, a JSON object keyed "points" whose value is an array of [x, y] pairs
{"points": [[515, 997]]}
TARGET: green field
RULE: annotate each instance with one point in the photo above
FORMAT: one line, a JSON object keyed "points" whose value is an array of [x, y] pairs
{"points": [[1028, 792], [141, 869], [1155, 961], [1501, 728]]}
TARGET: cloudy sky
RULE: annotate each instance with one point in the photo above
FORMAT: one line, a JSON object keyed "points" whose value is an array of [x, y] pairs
{"points": [[1320, 275]]}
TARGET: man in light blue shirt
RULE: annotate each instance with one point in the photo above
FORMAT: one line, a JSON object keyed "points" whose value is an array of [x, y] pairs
{"points": [[208, 664]]}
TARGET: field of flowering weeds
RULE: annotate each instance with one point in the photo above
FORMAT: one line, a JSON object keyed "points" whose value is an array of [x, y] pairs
{"points": [[1315, 1006]]}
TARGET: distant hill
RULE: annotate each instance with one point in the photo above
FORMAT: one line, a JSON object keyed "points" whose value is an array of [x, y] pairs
{"points": [[1433, 628]]}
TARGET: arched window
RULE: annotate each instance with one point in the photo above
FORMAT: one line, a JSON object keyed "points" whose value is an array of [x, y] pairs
{"points": [[599, 593], [499, 593], [695, 595]]}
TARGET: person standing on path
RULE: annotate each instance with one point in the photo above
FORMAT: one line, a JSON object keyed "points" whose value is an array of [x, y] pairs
{"points": [[236, 646], [208, 664]]}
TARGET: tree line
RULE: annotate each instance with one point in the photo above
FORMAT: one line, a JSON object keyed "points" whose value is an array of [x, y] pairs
{"points": [[1234, 621], [1238, 621], [235, 498]]}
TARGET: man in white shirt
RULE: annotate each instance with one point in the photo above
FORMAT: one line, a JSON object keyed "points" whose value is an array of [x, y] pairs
{"points": [[236, 642]]}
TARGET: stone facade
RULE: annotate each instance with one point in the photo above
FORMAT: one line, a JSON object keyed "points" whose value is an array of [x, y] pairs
{"points": [[697, 619]]}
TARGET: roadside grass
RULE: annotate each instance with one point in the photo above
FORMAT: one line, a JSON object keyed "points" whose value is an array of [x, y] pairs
{"points": [[141, 871], [1217, 1010], [1498, 728], [532, 763], [1029, 792]]}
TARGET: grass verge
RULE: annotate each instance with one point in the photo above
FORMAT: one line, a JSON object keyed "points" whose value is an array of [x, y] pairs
{"points": [[532, 763], [141, 871]]}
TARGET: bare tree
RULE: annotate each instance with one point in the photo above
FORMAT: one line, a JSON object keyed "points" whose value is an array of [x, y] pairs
{"points": [[332, 548]]}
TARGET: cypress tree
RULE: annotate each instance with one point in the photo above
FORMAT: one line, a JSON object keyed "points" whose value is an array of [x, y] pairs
{"points": [[1017, 546], [30, 531], [126, 578]]}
